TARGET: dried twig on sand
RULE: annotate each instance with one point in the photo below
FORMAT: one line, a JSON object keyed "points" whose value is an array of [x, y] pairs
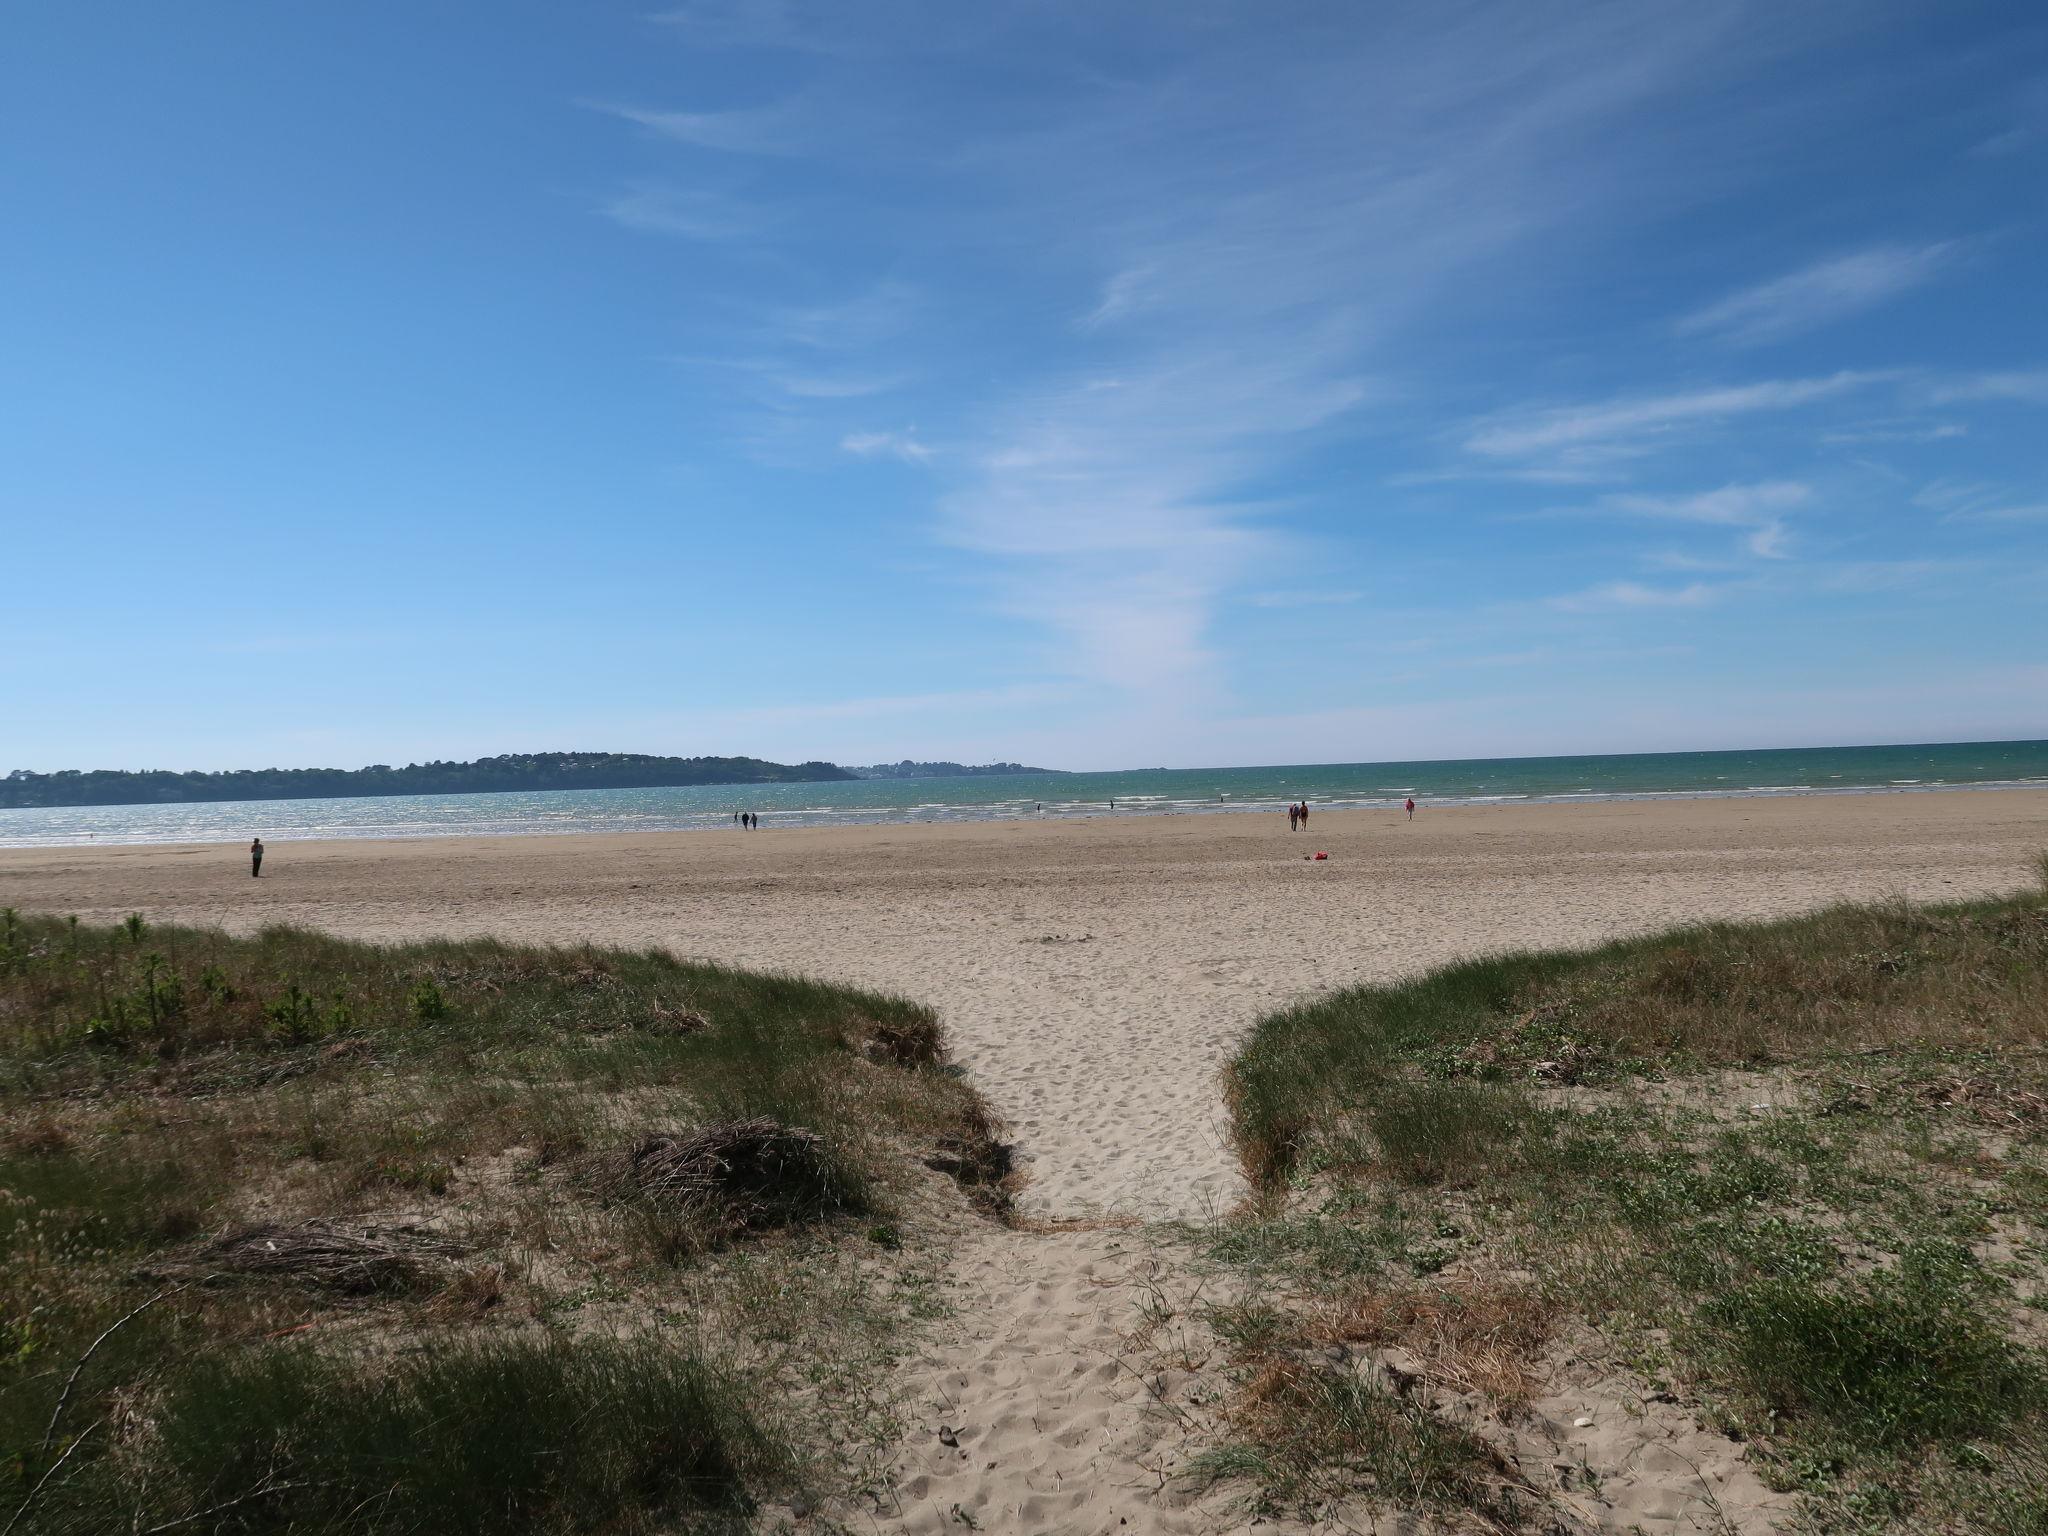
{"points": [[351, 1258]]}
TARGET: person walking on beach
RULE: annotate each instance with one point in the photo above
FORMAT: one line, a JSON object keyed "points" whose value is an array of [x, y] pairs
{"points": [[1411, 807], [256, 858], [1293, 817], [1304, 815]]}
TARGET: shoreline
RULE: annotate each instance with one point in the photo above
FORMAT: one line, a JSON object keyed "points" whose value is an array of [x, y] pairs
{"points": [[831, 818]]}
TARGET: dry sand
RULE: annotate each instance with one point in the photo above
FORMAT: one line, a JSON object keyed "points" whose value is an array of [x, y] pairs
{"points": [[1094, 975]]}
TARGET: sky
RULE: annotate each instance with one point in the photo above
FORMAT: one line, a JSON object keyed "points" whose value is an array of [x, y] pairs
{"points": [[1174, 384]]}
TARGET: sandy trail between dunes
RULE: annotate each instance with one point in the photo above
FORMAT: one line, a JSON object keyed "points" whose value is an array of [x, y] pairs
{"points": [[1094, 976]]}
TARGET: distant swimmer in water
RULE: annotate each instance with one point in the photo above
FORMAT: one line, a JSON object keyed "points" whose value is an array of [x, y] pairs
{"points": [[256, 858]]}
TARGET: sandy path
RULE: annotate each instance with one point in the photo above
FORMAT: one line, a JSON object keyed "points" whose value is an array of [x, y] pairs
{"points": [[1094, 976]]}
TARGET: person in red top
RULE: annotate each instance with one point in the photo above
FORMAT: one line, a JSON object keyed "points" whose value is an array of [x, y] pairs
{"points": [[1411, 807]]}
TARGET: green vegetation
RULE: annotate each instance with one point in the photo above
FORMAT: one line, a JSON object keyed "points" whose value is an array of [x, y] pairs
{"points": [[1792, 1176], [513, 771], [304, 1235]]}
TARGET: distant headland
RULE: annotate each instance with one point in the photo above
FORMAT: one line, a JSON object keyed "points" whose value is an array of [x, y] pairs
{"points": [[511, 772]]}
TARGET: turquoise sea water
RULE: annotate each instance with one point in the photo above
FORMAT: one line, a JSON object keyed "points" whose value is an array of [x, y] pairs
{"points": [[1141, 791]]}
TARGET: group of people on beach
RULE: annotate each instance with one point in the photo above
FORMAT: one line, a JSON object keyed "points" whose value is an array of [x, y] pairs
{"points": [[1297, 814], [747, 821]]}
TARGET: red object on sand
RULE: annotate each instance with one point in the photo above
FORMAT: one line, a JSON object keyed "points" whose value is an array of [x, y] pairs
{"points": [[1322, 855]]}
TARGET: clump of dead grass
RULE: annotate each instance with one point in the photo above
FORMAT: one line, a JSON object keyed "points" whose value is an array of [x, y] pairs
{"points": [[351, 1259], [1317, 1436], [1469, 1335], [743, 1176]]}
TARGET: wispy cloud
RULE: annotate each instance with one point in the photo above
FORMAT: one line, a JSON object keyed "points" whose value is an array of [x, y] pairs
{"points": [[1869, 433], [1302, 599], [747, 130], [2027, 122], [1251, 267], [1760, 508], [1630, 424], [2026, 386], [1819, 294], [1978, 501], [1891, 575], [1634, 594], [1122, 294], [835, 387], [861, 322], [1217, 260], [693, 213], [896, 445]]}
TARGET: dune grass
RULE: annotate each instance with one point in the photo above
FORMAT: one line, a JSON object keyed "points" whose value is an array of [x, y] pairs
{"points": [[1795, 1173], [298, 1234]]}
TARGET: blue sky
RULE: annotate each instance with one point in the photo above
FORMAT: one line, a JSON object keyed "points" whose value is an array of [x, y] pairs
{"points": [[1103, 386]]}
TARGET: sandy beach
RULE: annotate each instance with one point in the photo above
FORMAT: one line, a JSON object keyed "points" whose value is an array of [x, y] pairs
{"points": [[1094, 976], [1095, 973]]}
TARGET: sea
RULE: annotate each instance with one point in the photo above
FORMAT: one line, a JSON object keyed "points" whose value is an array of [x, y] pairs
{"points": [[1130, 792]]}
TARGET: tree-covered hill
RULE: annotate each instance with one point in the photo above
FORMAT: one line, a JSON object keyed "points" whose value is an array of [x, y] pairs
{"points": [[514, 771]]}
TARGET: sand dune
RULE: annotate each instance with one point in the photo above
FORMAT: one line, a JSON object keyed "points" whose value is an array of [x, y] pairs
{"points": [[1094, 976]]}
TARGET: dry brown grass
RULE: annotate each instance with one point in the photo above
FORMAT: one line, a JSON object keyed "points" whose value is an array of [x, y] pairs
{"points": [[1469, 1335], [353, 1259], [1857, 977], [742, 1176]]}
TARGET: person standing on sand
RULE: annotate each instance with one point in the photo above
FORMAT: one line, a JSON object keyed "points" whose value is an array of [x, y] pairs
{"points": [[1293, 816], [1411, 807], [1304, 815], [256, 858]]}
